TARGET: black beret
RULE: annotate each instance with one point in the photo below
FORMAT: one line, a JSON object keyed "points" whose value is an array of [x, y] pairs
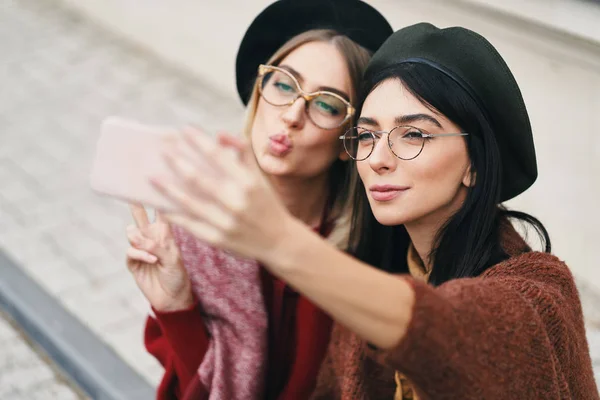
{"points": [[285, 19], [474, 64]]}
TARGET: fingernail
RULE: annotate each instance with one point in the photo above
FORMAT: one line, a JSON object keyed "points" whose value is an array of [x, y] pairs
{"points": [[151, 259]]}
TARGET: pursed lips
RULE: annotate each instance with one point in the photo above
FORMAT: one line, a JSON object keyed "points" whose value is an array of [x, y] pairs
{"points": [[280, 144]]}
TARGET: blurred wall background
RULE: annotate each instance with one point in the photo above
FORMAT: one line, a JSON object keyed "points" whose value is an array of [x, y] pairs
{"points": [[552, 46]]}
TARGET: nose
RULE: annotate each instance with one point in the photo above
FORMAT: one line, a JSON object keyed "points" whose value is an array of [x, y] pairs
{"points": [[381, 159], [294, 115]]}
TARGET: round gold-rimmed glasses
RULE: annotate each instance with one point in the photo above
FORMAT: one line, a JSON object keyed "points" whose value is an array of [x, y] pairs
{"points": [[280, 88], [406, 142]]}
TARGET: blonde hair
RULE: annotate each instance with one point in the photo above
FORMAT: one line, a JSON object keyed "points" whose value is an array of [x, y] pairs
{"points": [[343, 177]]}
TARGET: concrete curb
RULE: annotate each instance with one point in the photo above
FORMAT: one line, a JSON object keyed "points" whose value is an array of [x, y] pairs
{"points": [[89, 362]]}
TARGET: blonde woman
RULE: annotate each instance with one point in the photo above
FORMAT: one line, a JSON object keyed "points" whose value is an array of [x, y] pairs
{"points": [[224, 327]]}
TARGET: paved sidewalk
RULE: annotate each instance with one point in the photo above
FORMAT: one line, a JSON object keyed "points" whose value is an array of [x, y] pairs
{"points": [[60, 76], [24, 374]]}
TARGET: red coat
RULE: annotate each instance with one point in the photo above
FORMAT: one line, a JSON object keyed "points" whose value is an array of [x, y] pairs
{"points": [[298, 338]]}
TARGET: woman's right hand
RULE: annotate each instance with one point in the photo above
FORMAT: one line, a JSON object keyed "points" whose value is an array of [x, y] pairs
{"points": [[155, 263]]}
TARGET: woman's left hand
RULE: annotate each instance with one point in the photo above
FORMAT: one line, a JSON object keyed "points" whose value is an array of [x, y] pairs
{"points": [[229, 205]]}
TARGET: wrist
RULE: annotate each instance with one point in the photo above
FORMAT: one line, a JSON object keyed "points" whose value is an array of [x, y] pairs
{"points": [[290, 247], [184, 302]]}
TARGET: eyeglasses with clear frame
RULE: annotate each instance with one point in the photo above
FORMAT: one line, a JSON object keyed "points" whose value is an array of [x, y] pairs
{"points": [[405, 142], [281, 88]]}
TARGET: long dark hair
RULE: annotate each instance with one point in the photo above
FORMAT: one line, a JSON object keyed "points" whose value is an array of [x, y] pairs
{"points": [[469, 242]]}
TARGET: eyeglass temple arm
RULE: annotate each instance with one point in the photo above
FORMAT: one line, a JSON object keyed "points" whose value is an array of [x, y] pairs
{"points": [[445, 134], [425, 134]]}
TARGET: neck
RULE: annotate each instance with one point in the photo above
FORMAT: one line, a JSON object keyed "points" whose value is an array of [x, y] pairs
{"points": [[422, 235], [423, 232], [304, 198]]}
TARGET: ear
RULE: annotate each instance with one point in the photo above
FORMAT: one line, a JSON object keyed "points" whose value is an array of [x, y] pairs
{"points": [[469, 177]]}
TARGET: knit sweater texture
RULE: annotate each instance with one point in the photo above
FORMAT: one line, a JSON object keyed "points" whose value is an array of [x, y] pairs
{"points": [[514, 332]]}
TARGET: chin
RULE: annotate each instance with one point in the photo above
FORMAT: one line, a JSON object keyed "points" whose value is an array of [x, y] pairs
{"points": [[395, 212], [388, 215], [389, 219], [273, 165]]}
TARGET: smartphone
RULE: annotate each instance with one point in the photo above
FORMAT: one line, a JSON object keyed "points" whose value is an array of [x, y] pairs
{"points": [[128, 154]]}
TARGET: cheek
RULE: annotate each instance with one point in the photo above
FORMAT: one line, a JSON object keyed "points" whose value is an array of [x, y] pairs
{"points": [[437, 179], [261, 126], [316, 150], [362, 168], [254, 139], [443, 166], [260, 117], [433, 172], [319, 142]]}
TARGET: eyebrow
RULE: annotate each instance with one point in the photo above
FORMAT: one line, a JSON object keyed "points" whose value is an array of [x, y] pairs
{"points": [[300, 78], [401, 120], [367, 121], [408, 119]]}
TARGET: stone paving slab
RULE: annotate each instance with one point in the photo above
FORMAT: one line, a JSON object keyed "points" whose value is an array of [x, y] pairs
{"points": [[25, 374]]}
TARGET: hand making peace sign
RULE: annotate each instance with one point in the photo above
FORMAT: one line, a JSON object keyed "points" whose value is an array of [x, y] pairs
{"points": [[155, 262]]}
